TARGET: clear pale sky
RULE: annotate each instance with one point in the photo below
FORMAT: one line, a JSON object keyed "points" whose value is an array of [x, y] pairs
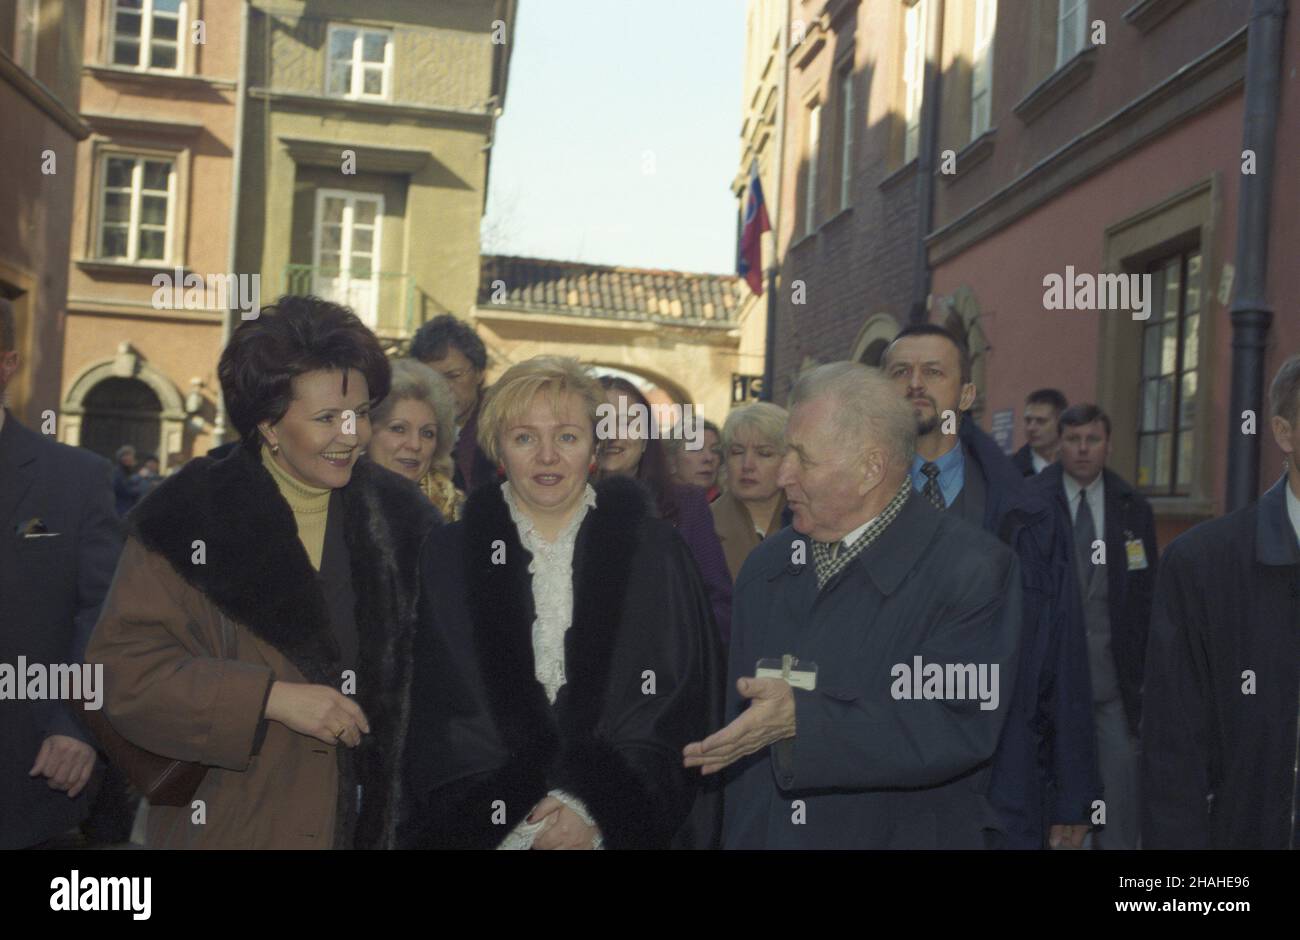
{"points": [[621, 134]]}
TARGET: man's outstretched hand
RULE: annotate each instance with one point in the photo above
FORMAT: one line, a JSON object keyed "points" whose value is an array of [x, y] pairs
{"points": [[769, 718]]}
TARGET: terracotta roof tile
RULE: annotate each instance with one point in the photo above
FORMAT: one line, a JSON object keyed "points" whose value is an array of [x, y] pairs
{"points": [[571, 288]]}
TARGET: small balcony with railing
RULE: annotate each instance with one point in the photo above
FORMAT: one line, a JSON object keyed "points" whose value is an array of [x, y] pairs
{"points": [[386, 301]]}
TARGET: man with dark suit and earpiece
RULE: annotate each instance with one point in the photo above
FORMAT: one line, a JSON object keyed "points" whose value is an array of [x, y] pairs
{"points": [[1115, 554]]}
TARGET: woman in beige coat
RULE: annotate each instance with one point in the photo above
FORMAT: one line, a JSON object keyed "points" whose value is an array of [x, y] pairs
{"points": [[752, 506], [260, 619]]}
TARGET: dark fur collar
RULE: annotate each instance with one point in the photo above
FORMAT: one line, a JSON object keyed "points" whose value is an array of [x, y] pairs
{"points": [[256, 570], [501, 606]]}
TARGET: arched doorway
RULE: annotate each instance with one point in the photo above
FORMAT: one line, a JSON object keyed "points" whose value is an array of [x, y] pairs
{"points": [[874, 353], [661, 399], [962, 317], [873, 339], [121, 411], [124, 400], [660, 388]]}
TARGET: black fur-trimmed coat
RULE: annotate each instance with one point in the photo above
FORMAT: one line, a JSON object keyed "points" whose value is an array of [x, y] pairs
{"points": [[192, 642], [643, 679]]}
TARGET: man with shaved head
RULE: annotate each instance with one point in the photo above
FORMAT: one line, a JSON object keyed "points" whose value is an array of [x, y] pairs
{"points": [[873, 646]]}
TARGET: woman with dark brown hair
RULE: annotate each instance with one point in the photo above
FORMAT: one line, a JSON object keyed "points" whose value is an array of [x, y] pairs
{"points": [[685, 506], [260, 620]]}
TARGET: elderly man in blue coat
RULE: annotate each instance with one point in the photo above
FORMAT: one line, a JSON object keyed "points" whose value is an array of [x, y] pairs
{"points": [[1046, 782], [873, 647]]}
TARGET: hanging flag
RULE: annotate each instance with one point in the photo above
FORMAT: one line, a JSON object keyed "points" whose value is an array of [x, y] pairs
{"points": [[750, 264]]}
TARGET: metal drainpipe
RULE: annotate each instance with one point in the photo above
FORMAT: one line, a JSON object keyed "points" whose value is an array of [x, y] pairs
{"points": [[921, 276], [774, 212], [220, 427], [1251, 315]]}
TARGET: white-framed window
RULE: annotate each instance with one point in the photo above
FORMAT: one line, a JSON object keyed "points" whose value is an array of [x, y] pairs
{"points": [[136, 199], [814, 131], [345, 251], [146, 34], [914, 31], [360, 63], [27, 26], [1071, 29], [846, 135], [981, 89]]}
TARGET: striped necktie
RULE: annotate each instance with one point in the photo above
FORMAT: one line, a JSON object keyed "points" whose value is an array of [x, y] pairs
{"points": [[931, 490]]}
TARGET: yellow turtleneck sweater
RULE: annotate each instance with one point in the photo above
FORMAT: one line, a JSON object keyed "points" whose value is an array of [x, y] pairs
{"points": [[310, 507]]}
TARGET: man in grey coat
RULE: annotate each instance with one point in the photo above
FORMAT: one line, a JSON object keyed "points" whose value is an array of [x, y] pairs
{"points": [[886, 633]]}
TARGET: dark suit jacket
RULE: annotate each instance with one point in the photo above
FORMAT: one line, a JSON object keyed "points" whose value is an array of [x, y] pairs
{"points": [[873, 770], [473, 467], [1024, 460], [1129, 592], [1046, 768], [51, 590], [1227, 601]]}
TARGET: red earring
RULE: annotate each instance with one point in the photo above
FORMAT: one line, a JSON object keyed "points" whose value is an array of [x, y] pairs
{"points": [[501, 471], [592, 468]]}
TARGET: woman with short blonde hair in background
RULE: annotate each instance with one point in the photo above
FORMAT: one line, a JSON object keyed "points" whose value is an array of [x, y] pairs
{"points": [[752, 504], [565, 653], [414, 430]]}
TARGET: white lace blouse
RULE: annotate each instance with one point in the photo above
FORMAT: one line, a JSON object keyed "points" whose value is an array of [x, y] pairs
{"points": [[552, 576]]}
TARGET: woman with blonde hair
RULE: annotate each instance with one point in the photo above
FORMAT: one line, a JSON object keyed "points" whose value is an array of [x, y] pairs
{"points": [[752, 506], [564, 655], [414, 430]]}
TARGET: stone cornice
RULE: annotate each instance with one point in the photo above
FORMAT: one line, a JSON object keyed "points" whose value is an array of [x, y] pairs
{"points": [[1148, 14], [117, 123], [378, 159], [174, 80], [1056, 86], [35, 91], [379, 110]]}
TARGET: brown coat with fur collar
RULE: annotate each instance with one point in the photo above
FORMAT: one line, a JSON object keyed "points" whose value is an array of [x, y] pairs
{"points": [[170, 688], [735, 528]]}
